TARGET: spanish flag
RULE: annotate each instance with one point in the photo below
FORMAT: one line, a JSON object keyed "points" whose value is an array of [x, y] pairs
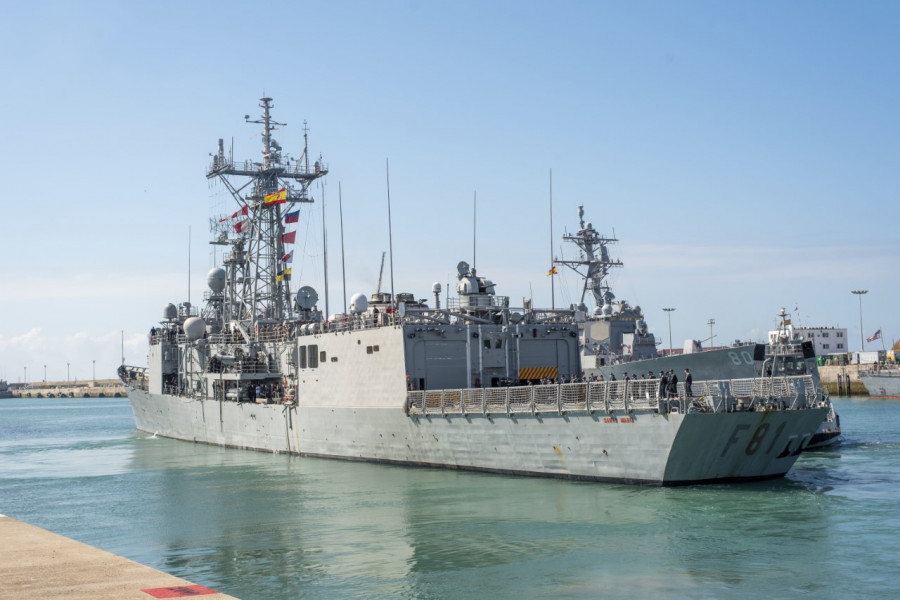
{"points": [[552, 271], [278, 197]]}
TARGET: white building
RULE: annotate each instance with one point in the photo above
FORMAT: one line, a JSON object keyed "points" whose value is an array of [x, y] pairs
{"points": [[826, 340]]}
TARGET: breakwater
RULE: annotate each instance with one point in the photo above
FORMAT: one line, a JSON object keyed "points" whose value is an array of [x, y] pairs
{"points": [[96, 388]]}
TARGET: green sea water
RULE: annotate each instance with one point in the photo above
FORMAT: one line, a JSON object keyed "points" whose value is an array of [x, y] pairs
{"points": [[264, 526]]}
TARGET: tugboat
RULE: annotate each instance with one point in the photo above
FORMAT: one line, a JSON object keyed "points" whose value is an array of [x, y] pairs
{"points": [[788, 354]]}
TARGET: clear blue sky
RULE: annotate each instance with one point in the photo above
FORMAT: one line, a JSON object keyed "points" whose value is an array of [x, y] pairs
{"points": [[747, 155]]}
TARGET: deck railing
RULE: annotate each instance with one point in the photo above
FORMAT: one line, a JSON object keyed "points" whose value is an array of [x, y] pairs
{"points": [[726, 395]]}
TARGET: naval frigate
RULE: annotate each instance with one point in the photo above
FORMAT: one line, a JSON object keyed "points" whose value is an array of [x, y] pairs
{"points": [[475, 385]]}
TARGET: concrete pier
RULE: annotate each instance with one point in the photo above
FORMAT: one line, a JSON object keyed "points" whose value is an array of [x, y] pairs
{"points": [[35, 563], [848, 375]]}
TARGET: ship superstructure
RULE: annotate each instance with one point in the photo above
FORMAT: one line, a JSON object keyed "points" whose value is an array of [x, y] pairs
{"points": [[477, 384], [614, 330]]}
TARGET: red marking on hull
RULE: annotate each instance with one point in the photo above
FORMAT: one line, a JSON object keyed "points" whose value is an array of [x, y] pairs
{"points": [[179, 591]]}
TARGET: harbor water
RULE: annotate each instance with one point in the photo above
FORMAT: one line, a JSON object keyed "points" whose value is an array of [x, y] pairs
{"points": [[263, 526]]}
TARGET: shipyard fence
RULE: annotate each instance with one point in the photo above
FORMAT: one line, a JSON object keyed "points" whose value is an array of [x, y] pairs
{"points": [[727, 395]]}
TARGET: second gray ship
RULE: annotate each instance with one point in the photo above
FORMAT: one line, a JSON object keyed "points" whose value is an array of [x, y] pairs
{"points": [[617, 344]]}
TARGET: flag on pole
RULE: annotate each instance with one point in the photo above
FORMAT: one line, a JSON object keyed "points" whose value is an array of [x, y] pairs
{"points": [[278, 197], [292, 217], [240, 226], [284, 275], [288, 258], [242, 211], [552, 271], [874, 336], [288, 238]]}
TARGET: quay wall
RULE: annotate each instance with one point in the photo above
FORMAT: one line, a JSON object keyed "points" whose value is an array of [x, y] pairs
{"points": [[837, 378]]}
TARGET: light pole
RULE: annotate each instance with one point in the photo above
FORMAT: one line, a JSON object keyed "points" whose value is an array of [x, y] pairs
{"points": [[669, 314], [94, 370], [711, 322], [25, 375], [860, 293], [67, 373], [45, 373]]}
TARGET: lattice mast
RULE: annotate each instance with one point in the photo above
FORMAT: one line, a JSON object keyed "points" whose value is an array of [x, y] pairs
{"points": [[594, 260], [257, 288]]}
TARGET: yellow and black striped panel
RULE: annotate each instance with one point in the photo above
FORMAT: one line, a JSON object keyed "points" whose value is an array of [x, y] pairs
{"points": [[537, 373]]}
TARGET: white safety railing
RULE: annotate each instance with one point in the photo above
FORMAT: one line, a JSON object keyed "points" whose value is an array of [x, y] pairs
{"points": [[762, 393]]}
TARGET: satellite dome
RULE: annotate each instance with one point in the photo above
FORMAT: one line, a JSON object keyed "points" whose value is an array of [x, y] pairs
{"points": [[194, 328], [359, 303], [170, 312], [435, 288], [215, 279]]}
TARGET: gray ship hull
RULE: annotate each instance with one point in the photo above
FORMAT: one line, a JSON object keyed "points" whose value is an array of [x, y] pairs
{"points": [[882, 384], [724, 363], [640, 447]]}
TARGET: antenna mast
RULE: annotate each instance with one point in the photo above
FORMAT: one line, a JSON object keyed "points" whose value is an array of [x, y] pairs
{"points": [[258, 281], [189, 266], [552, 275], [474, 223], [343, 269], [594, 257], [387, 168], [380, 271], [325, 250]]}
